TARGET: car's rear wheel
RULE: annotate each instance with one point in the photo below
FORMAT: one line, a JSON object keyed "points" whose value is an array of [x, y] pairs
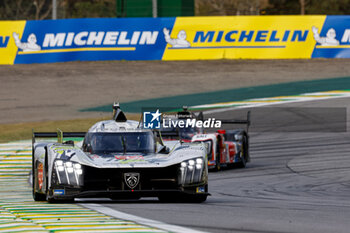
{"points": [[242, 163], [217, 164], [244, 151]]}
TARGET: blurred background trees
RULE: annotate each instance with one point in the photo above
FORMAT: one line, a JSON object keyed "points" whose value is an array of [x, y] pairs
{"points": [[24, 9], [89, 8], [229, 7], [42, 9]]}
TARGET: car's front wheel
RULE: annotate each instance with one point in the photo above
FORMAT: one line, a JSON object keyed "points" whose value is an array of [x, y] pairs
{"points": [[36, 196]]}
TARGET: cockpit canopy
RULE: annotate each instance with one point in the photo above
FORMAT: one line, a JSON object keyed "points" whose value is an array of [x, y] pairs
{"points": [[119, 142]]}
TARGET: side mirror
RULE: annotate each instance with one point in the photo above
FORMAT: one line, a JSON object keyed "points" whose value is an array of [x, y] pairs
{"points": [[70, 142], [88, 148], [163, 150]]}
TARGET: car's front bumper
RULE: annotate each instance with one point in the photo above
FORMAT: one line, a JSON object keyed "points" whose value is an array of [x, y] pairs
{"points": [[70, 193]]}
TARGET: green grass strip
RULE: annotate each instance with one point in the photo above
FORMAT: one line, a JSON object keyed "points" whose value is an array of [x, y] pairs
{"points": [[239, 94]]}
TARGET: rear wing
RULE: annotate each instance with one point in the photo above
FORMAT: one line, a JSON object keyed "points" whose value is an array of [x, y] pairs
{"points": [[59, 135], [200, 116], [167, 134], [242, 122]]}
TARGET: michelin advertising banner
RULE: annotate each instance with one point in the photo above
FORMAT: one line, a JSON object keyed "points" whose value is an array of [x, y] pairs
{"points": [[181, 38]]}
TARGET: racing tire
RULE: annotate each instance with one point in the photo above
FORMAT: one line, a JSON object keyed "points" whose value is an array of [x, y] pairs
{"points": [[199, 198], [39, 197], [242, 163], [36, 196], [217, 164], [244, 151]]}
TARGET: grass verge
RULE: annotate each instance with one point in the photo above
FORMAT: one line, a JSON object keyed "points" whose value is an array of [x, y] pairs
{"points": [[22, 131]]}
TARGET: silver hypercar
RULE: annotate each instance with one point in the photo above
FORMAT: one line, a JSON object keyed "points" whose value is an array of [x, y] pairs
{"points": [[120, 160]]}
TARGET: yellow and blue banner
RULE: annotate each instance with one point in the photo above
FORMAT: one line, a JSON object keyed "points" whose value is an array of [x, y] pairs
{"points": [[181, 38], [91, 40], [244, 37], [8, 49]]}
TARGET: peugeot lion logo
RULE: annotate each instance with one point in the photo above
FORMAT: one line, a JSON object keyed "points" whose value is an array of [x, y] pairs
{"points": [[132, 179]]}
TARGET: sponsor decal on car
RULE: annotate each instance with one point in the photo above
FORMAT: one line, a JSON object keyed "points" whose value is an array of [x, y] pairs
{"points": [[58, 192], [200, 190]]}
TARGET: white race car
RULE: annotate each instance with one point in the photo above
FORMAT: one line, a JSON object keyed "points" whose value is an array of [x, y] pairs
{"points": [[119, 160]]}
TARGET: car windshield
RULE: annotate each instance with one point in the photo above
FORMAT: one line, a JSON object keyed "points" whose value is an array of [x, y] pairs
{"points": [[124, 142]]}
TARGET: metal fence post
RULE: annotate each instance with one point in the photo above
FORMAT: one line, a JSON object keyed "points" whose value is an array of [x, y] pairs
{"points": [[154, 9], [54, 9]]}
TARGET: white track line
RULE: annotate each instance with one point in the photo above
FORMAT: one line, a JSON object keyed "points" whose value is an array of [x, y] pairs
{"points": [[143, 221], [219, 110]]}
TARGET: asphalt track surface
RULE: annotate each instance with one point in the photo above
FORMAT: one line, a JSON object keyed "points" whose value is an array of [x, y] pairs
{"points": [[296, 182]]}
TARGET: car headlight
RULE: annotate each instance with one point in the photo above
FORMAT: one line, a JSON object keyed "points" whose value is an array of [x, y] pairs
{"points": [[199, 161], [69, 172], [59, 162], [191, 171], [191, 162]]}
